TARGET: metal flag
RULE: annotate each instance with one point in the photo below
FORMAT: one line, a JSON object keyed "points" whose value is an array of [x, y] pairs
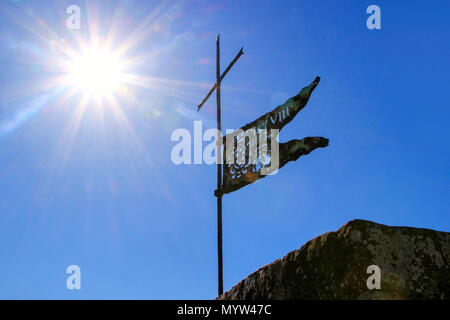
{"points": [[253, 152]]}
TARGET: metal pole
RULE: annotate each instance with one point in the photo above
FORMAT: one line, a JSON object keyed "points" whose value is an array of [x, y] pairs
{"points": [[219, 174], [218, 192], [241, 52]]}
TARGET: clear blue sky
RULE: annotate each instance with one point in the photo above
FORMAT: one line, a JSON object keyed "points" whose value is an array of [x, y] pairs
{"points": [[101, 192]]}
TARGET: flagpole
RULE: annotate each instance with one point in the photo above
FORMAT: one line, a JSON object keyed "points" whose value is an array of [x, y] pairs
{"points": [[218, 192], [219, 172]]}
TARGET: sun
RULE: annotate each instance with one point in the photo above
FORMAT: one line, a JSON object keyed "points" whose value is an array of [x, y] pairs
{"points": [[95, 72]]}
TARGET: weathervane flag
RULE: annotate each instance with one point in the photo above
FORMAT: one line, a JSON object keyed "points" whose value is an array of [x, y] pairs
{"points": [[264, 158]]}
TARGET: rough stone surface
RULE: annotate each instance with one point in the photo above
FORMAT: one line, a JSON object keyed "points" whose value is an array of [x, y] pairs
{"points": [[414, 264]]}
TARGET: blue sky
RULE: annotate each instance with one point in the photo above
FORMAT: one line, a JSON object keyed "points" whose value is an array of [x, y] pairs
{"points": [[98, 189]]}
